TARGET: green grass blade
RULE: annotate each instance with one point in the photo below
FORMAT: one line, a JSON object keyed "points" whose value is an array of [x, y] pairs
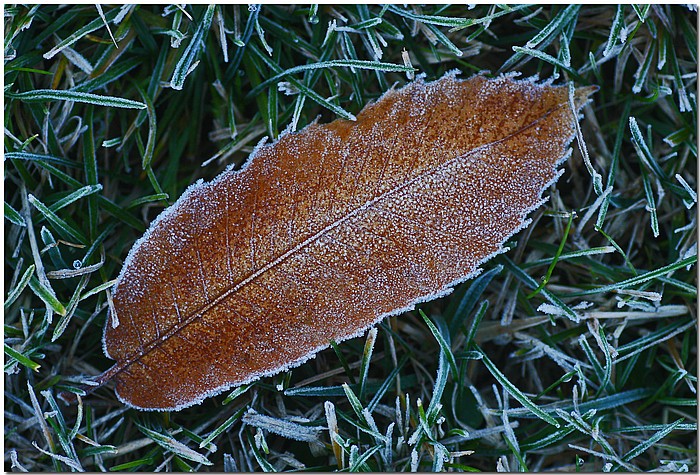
{"points": [[65, 230], [644, 277], [386, 384], [45, 95], [310, 93], [641, 11], [366, 359], [643, 151], [354, 401], [47, 295], [648, 443], [75, 196], [555, 259], [21, 359], [80, 33], [471, 333], [187, 62], [617, 25], [17, 290], [651, 204], [13, 216], [643, 72], [440, 382], [530, 282], [471, 297], [444, 345], [223, 427], [337, 63], [515, 392], [40, 157], [562, 19], [172, 445], [549, 59]]}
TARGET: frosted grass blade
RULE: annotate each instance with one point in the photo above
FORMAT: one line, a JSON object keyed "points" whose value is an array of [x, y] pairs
{"points": [[13, 216], [515, 392], [174, 446], [47, 295], [94, 25], [19, 287], [184, 65], [44, 95]]}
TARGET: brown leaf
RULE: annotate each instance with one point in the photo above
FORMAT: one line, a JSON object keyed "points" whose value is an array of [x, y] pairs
{"points": [[329, 230]]}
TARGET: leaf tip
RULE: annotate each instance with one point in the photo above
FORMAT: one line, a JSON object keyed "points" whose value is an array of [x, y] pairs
{"points": [[581, 94]]}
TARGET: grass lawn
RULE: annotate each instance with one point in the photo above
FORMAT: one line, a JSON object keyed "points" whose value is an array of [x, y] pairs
{"points": [[112, 112]]}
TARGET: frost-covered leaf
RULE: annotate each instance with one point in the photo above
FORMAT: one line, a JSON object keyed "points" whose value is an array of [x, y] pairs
{"points": [[329, 230]]}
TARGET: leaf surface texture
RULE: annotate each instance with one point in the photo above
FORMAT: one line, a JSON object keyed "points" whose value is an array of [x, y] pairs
{"points": [[328, 230]]}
